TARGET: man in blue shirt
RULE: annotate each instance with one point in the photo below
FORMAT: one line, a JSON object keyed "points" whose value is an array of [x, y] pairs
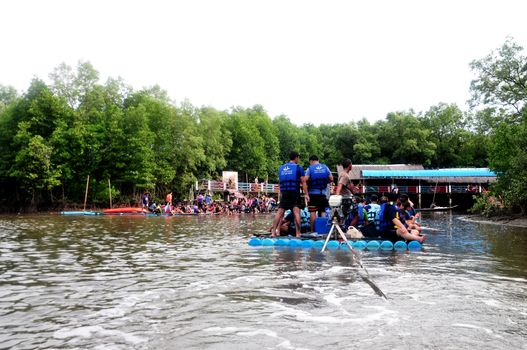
{"points": [[318, 176], [291, 176]]}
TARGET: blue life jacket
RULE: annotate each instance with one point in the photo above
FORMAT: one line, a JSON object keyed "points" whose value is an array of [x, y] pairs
{"points": [[380, 223], [373, 209], [289, 175], [318, 178], [409, 213], [360, 213], [304, 219], [305, 223], [360, 209], [385, 223]]}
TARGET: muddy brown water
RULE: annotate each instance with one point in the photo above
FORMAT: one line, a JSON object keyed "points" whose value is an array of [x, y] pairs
{"points": [[194, 283]]}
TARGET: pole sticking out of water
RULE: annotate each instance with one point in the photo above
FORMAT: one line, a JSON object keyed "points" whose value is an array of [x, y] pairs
{"points": [[356, 257], [366, 278], [86, 193], [110, 192]]}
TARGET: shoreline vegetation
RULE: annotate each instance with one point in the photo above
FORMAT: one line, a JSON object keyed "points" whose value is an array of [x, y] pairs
{"points": [[516, 220], [56, 135]]}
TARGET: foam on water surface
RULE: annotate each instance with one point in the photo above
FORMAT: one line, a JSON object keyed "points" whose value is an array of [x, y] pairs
{"points": [[92, 331]]}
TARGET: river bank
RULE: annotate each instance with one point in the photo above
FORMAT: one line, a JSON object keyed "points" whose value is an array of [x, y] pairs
{"points": [[515, 220]]}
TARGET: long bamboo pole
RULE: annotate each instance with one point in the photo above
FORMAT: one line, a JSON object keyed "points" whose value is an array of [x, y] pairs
{"points": [[86, 193], [435, 190], [110, 192], [419, 204]]}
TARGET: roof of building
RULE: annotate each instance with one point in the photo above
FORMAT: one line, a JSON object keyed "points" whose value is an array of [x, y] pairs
{"points": [[410, 174], [357, 169], [460, 175]]}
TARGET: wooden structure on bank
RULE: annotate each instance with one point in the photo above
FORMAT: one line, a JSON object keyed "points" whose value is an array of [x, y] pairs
{"points": [[414, 179], [403, 178]]}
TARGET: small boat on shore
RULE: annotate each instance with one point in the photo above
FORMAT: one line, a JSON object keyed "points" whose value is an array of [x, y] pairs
{"points": [[437, 208], [124, 211], [80, 213], [130, 211]]}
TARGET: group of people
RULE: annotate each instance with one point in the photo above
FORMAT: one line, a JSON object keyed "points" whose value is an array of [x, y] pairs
{"points": [[314, 183], [205, 204], [392, 217]]}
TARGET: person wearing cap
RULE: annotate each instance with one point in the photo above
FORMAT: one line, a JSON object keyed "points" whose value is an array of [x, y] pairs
{"points": [[291, 176], [318, 176]]}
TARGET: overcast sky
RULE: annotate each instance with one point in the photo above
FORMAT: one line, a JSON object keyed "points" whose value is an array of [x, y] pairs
{"points": [[314, 61]]}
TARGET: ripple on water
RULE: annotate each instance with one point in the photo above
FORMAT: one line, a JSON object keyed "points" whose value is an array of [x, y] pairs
{"points": [[194, 283]]}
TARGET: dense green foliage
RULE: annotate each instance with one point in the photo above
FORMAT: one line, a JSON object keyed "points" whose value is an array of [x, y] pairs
{"points": [[53, 136], [501, 93]]}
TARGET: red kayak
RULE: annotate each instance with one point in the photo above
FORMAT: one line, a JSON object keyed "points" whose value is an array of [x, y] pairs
{"points": [[128, 210]]}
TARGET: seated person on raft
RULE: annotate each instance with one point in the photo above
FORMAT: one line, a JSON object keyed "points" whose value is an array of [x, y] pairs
{"points": [[357, 215], [392, 225], [410, 216], [155, 208], [402, 213], [178, 209], [287, 223], [372, 208]]}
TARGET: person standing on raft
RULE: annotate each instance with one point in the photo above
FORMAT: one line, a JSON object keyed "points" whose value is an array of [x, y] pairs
{"points": [[346, 188], [318, 176], [291, 176]]}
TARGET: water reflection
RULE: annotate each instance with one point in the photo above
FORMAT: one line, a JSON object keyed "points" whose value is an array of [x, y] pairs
{"points": [[194, 283], [509, 245]]}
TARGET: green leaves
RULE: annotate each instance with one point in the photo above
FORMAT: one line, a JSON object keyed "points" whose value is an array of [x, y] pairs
{"points": [[248, 153], [33, 166], [52, 137], [501, 89], [449, 134], [502, 79], [404, 139]]}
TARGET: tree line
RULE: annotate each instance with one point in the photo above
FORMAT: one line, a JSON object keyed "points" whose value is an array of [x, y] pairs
{"points": [[54, 135]]}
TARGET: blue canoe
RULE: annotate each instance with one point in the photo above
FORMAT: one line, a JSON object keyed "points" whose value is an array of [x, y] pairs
{"points": [[80, 213]]}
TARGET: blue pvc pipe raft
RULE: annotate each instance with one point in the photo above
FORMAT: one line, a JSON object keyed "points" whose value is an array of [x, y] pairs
{"points": [[372, 245]]}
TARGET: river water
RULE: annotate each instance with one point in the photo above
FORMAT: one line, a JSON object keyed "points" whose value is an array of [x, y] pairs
{"points": [[194, 283]]}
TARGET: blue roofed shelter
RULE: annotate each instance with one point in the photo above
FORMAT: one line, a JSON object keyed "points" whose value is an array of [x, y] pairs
{"points": [[414, 179], [443, 175]]}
